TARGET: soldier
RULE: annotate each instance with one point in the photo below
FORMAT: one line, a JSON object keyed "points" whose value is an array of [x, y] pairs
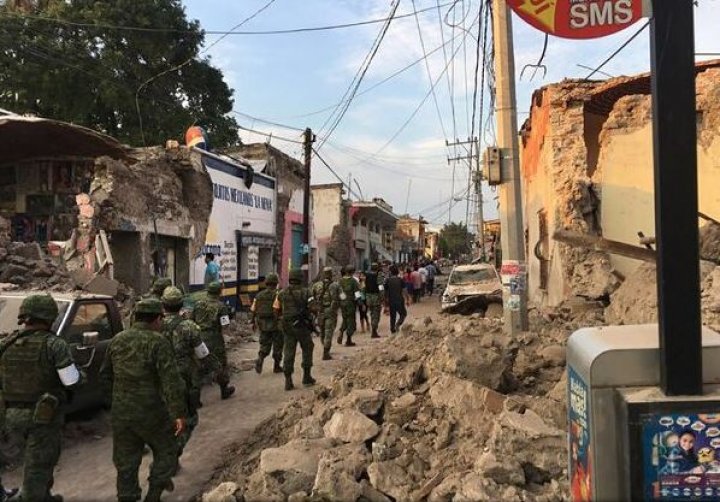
{"points": [[327, 296], [265, 319], [184, 335], [148, 403], [293, 304], [36, 368], [158, 287], [349, 294], [212, 316], [374, 287]]}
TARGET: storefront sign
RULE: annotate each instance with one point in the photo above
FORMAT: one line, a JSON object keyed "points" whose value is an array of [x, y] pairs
{"points": [[579, 438], [579, 18], [681, 456], [253, 263]]}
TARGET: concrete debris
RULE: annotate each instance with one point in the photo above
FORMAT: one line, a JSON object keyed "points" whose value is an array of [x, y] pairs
{"points": [[225, 492], [25, 265], [433, 414]]}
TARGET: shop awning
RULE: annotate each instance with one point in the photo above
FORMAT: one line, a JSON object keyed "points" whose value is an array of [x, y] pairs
{"points": [[29, 138]]}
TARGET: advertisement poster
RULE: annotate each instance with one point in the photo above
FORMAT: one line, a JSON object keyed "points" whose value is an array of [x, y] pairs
{"points": [[579, 438], [681, 456]]}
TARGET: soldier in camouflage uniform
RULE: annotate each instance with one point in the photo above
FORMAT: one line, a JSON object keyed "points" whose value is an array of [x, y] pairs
{"points": [[212, 315], [148, 403], [293, 305], [158, 287], [184, 335], [36, 368], [265, 319], [374, 286], [349, 290], [327, 296]]}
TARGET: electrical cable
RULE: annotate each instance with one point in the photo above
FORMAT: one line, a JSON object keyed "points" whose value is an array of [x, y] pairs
{"points": [[618, 50], [321, 159], [445, 58]]}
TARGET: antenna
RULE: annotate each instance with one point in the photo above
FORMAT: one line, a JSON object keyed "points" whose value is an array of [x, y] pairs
{"points": [[407, 199]]}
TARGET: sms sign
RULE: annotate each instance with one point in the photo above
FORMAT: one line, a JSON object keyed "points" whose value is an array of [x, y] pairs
{"points": [[579, 18]]}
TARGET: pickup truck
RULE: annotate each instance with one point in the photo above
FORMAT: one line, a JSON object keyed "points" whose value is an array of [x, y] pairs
{"points": [[87, 323]]}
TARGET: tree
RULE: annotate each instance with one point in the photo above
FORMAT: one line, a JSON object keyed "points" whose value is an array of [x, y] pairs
{"points": [[454, 240], [52, 64]]}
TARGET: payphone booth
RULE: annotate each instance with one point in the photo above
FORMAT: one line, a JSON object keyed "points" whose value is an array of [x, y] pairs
{"points": [[628, 440]]}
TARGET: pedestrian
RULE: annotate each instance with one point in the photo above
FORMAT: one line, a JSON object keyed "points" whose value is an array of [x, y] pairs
{"points": [[416, 279], [36, 369], [362, 304], [148, 403], [431, 273], [265, 320], [294, 306], [212, 269], [349, 295], [374, 286], [394, 299], [212, 316], [327, 296], [409, 285], [190, 351]]}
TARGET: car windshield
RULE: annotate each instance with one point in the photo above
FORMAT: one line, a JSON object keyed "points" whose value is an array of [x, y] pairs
{"points": [[471, 276], [9, 308]]}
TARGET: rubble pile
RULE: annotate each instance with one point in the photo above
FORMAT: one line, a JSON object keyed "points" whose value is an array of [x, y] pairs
{"points": [[449, 409]]}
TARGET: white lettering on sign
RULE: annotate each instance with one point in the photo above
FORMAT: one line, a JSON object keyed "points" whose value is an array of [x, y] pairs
{"points": [[578, 400], [591, 14]]}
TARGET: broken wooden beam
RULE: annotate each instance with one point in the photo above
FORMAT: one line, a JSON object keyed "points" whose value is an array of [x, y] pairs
{"points": [[597, 243]]}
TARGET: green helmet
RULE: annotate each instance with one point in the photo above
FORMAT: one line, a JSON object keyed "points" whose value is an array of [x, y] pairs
{"points": [[296, 276], [271, 280], [328, 272], [149, 306], [160, 284], [172, 297], [375, 267], [40, 307], [349, 269], [214, 288]]}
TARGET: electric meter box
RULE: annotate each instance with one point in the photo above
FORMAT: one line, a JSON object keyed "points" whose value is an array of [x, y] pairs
{"points": [[626, 439]]}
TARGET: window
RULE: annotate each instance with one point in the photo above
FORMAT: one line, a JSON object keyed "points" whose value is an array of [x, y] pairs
{"points": [[90, 317]]}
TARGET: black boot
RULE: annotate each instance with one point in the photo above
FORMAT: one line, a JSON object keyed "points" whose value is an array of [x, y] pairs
{"points": [[154, 493], [349, 342], [277, 367], [289, 383], [259, 365], [307, 380], [340, 337], [374, 333], [226, 391], [326, 355]]}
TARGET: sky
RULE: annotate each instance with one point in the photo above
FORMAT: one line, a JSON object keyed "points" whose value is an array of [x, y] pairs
{"points": [[390, 145]]}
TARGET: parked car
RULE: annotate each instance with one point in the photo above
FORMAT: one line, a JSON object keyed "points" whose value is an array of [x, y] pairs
{"points": [[87, 323], [474, 286]]}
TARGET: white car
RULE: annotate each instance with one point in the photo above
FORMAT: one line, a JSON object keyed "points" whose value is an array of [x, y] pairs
{"points": [[470, 284]]}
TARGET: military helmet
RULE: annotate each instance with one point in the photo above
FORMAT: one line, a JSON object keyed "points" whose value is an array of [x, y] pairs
{"points": [[375, 267], [172, 297], [271, 280], [149, 306], [160, 284], [40, 307], [328, 272], [349, 269], [296, 276], [214, 288]]}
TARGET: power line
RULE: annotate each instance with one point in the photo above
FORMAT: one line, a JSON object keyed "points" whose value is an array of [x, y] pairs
{"points": [[216, 32], [270, 135], [339, 178], [618, 50]]}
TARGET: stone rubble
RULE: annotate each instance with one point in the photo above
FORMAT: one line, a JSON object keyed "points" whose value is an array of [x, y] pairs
{"points": [[447, 410]]}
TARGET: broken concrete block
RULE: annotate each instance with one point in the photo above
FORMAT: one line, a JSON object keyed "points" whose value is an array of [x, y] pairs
{"points": [[339, 472], [507, 472], [367, 401], [554, 354], [224, 492], [351, 426], [295, 464]]}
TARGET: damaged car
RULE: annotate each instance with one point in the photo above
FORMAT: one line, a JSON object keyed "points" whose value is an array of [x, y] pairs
{"points": [[471, 288]]}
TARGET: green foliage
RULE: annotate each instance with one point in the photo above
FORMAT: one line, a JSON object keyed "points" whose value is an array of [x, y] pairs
{"points": [[89, 75], [454, 240]]}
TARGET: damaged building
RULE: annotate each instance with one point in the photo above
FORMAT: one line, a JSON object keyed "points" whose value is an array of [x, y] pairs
{"points": [[587, 167], [126, 214]]}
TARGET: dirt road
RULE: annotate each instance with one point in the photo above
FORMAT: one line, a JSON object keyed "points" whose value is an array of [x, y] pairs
{"points": [[86, 472]]}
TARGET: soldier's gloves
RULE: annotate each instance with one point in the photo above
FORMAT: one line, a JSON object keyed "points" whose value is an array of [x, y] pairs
{"points": [[179, 426]]}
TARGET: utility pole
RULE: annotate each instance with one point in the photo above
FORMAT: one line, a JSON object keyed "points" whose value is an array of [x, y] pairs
{"points": [[511, 216], [308, 140], [480, 209], [470, 158]]}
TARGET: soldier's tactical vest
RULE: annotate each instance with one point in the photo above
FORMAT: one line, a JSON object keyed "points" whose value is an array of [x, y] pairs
{"points": [[347, 286], [323, 293], [371, 283], [294, 303], [264, 312], [169, 327], [27, 373], [206, 314]]}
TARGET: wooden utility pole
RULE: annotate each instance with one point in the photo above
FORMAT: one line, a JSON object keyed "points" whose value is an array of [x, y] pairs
{"points": [[511, 216], [308, 140], [480, 216]]}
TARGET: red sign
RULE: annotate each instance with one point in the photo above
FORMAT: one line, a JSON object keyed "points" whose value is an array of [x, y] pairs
{"points": [[579, 18]]}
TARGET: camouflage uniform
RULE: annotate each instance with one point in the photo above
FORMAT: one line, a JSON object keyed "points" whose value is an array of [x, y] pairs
{"points": [[327, 297], [265, 319], [35, 367], [348, 305], [158, 288], [209, 313], [184, 336], [292, 302], [147, 395], [374, 281]]}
